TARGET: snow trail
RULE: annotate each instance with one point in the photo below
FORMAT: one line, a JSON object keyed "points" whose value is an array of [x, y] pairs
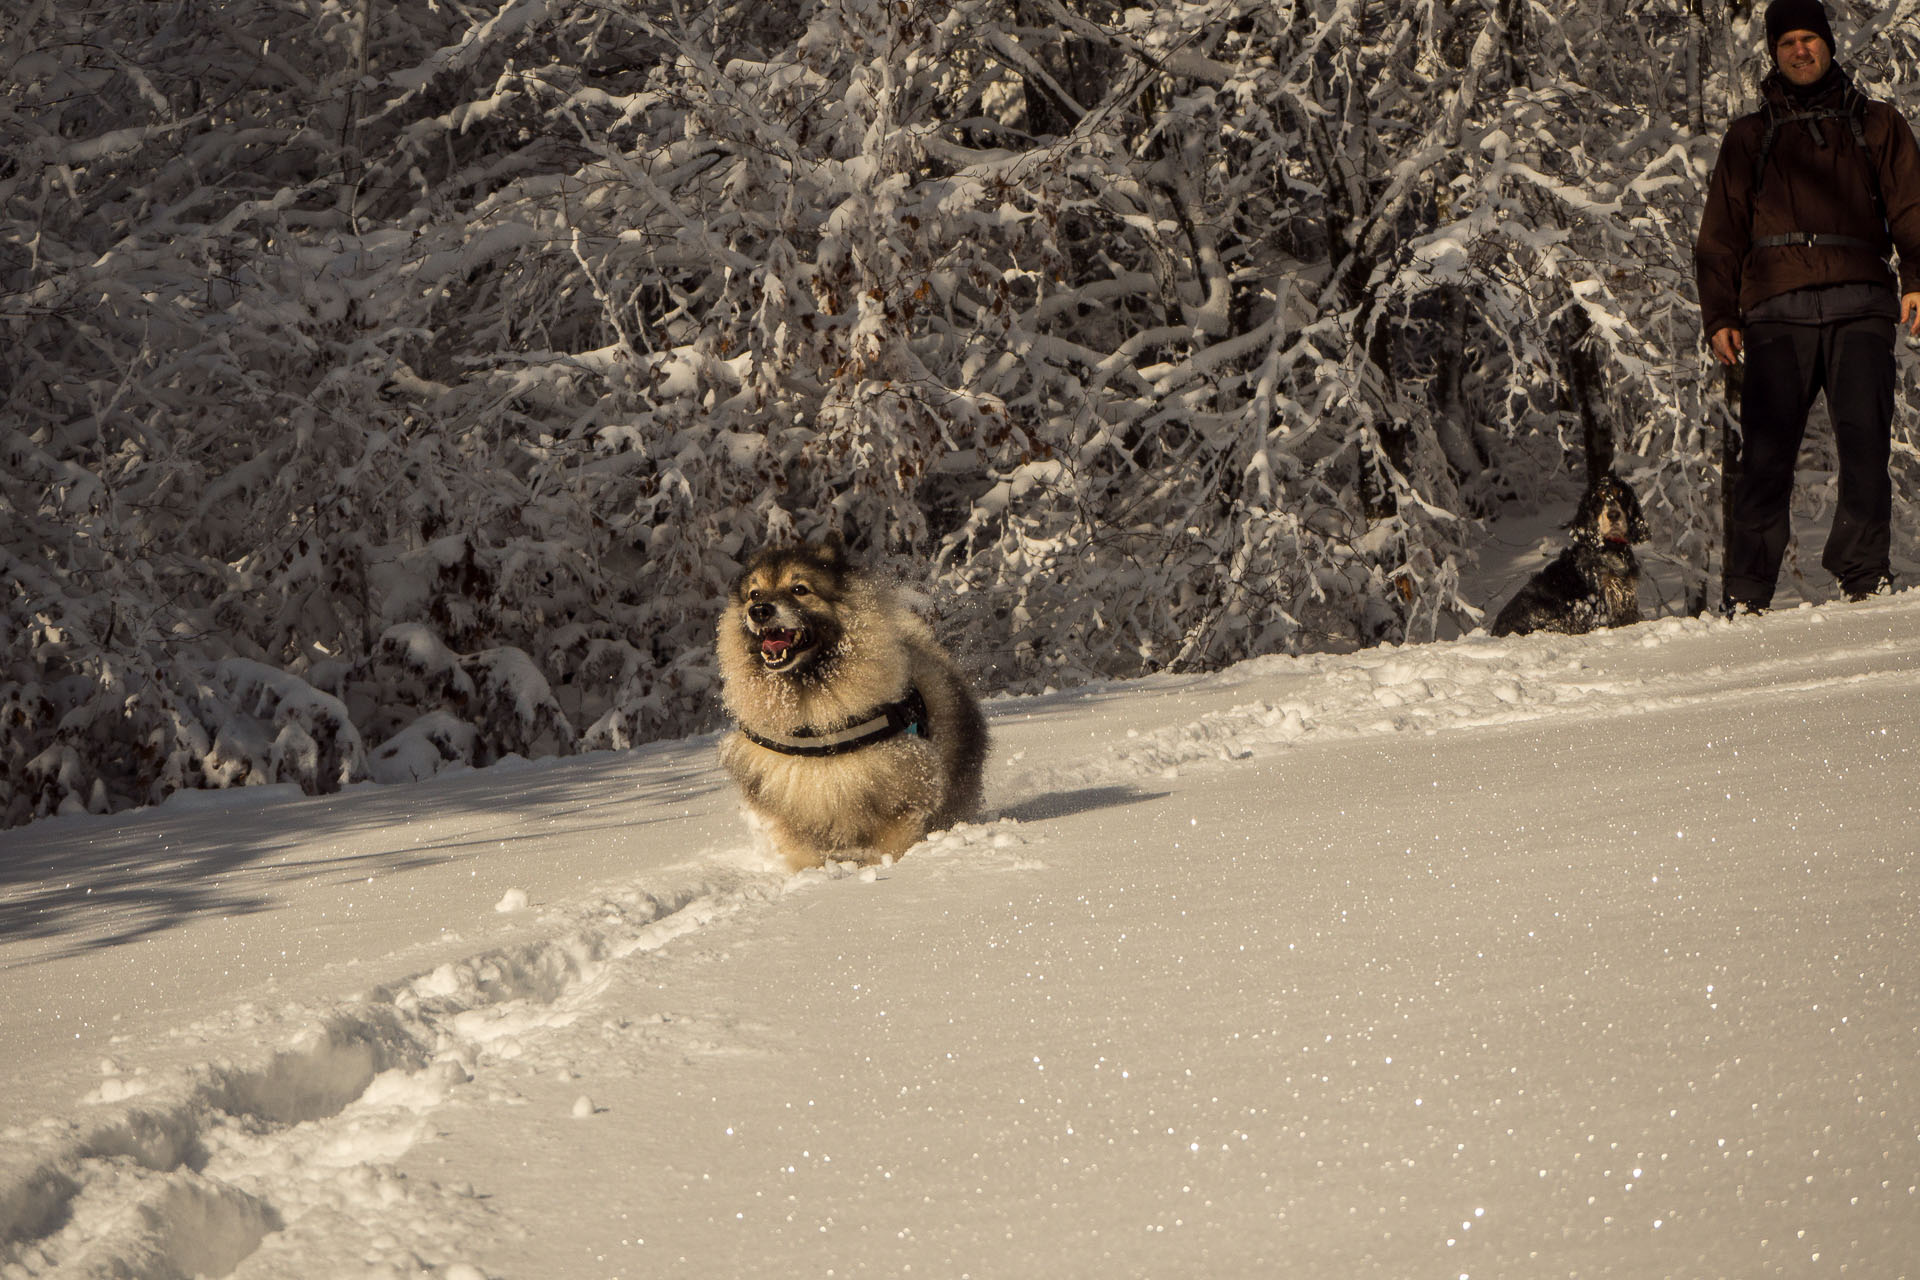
{"points": [[150, 1179]]}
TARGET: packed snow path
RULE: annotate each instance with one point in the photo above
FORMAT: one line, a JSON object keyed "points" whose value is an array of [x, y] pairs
{"points": [[1536, 957]]}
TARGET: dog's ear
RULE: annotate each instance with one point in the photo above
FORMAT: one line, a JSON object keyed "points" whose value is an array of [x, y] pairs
{"points": [[1637, 528], [1586, 515], [747, 567], [830, 553]]}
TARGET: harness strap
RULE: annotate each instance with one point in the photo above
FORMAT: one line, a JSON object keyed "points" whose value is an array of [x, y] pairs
{"points": [[908, 715]]}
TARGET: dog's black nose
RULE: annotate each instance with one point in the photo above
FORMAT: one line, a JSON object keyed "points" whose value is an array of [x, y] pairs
{"points": [[761, 612]]}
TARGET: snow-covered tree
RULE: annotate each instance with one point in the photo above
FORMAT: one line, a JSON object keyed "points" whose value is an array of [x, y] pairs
{"points": [[389, 384]]}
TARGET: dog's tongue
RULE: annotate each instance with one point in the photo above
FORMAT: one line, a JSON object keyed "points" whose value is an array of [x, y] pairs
{"points": [[774, 644]]}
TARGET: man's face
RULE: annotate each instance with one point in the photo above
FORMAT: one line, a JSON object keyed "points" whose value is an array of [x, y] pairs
{"points": [[1803, 57]]}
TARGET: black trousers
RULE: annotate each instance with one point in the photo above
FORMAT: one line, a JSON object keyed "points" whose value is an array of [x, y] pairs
{"points": [[1787, 365]]}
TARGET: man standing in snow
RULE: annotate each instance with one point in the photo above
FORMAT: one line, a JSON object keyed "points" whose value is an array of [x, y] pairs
{"points": [[1810, 195]]}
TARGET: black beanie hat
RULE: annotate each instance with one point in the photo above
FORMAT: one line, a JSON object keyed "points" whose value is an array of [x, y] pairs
{"points": [[1798, 15]]}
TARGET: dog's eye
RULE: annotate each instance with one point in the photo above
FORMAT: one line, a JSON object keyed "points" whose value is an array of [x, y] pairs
{"points": [[799, 589]]}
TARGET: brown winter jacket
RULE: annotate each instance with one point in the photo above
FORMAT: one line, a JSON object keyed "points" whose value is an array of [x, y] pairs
{"points": [[1822, 187]]}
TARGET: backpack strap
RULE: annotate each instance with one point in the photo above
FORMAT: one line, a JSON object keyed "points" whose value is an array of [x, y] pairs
{"points": [[1764, 150], [1856, 116]]}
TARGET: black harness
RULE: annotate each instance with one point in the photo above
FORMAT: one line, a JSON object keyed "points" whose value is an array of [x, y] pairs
{"points": [[908, 716], [1850, 111]]}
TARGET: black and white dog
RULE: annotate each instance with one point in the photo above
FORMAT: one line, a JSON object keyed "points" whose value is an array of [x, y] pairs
{"points": [[1595, 582]]}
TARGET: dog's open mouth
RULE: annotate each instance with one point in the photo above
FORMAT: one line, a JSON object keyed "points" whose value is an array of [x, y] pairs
{"points": [[779, 646]]}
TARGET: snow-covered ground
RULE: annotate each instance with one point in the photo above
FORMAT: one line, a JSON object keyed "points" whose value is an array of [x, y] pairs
{"points": [[1522, 958]]}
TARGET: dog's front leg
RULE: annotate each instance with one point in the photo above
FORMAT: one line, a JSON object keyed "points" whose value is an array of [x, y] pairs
{"points": [[798, 851], [897, 835]]}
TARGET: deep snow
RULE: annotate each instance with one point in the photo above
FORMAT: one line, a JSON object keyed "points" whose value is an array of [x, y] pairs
{"points": [[1538, 957]]}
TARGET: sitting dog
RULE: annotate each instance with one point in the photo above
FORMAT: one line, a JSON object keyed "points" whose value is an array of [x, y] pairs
{"points": [[1595, 582], [855, 733]]}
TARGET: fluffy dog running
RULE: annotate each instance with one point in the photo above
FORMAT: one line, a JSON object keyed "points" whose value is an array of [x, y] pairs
{"points": [[855, 734], [1595, 582]]}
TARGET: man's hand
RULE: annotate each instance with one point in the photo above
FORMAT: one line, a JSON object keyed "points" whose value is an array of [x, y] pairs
{"points": [[1727, 342], [1910, 313]]}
